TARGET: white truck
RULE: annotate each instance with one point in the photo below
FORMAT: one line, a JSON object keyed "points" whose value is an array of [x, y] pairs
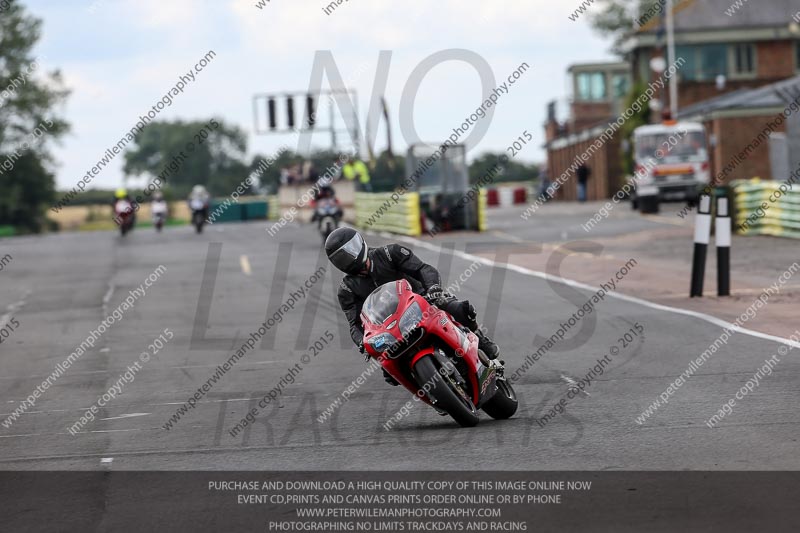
{"points": [[671, 163]]}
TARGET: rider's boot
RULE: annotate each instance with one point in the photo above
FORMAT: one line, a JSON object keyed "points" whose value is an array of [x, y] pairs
{"points": [[487, 345]]}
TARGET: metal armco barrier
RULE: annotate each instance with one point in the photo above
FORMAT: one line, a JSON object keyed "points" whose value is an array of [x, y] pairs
{"points": [[380, 212], [702, 234], [764, 207], [722, 238]]}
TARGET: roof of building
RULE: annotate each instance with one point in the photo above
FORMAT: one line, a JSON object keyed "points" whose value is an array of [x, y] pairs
{"points": [[724, 14], [678, 126], [768, 96], [604, 65]]}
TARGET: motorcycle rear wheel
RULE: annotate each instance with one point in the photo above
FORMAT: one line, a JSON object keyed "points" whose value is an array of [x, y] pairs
{"points": [[504, 403], [445, 394]]}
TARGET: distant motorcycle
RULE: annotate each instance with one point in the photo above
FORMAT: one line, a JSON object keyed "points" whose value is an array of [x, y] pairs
{"points": [[159, 214], [433, 356], [124, 216], [327, 212], [199, 209]]}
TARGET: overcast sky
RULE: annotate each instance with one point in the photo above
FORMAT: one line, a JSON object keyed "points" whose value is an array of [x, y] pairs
{"points": [[122, 56]]}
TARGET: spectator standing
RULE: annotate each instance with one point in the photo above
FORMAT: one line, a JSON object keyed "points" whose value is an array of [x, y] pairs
{"points": [[356, 169], [583, 173]]}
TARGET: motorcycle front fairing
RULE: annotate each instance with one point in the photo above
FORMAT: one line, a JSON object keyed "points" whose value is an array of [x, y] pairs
{"points": [[327, 207], [398, 345], [196, 204]]}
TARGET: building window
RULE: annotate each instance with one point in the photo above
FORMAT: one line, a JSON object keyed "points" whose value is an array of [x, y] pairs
{"points": [[743, 60], [621, 84], [703, 62], [591, 86]]}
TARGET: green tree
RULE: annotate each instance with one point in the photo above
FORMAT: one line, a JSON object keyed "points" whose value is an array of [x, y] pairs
{"points": [[389, 172], [617, 18], [28, 190], [216, 158], [271, 176], [508, 170], [639, 118], [28, 122]]}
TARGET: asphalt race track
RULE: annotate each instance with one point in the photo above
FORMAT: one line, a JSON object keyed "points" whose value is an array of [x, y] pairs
{"points": [[60, 287]]}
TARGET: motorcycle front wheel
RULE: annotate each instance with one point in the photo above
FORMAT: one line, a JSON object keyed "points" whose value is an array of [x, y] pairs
{"points": [[445, 394], [327, 229]]}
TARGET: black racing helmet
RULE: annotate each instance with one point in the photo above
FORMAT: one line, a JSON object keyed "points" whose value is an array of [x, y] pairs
{"points": [[347, 250]]}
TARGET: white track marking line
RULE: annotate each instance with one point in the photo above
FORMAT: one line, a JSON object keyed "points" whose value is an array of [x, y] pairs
{"points": [[111, 371], [106, 460], [245, 265], [109, 431], [108, 294], [665, 220], [13, 308], [131, 415], [574, 383], [577, 284]]}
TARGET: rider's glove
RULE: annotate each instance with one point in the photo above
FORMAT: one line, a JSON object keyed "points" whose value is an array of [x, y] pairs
{"points": [[434, 294]]}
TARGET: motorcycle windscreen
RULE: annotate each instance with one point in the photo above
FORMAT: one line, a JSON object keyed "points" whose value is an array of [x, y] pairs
{"points": [[382, 303]]}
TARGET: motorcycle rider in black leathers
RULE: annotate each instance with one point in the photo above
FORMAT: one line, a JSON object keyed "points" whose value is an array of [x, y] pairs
{"points": [[367, 269]]}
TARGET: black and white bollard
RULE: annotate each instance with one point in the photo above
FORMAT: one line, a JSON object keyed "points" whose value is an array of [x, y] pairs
{"points": [[722, 236], [702, 233]]}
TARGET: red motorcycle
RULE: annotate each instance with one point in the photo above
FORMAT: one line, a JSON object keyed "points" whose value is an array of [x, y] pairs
{"points": [[124, 216], [433, 356]]}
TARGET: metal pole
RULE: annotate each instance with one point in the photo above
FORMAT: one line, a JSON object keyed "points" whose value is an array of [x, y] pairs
{"points": [[356, 127], [332, 126], [673, 82]]}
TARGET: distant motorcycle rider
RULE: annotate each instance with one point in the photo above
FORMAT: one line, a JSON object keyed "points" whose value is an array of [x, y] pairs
{"points": [[159, 208], [198, 200], [367, 269], [325, 192], [121, 195]]}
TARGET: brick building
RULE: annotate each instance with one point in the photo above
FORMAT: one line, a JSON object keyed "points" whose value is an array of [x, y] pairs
{"points": [[748, 131], [731, 68], [599, 90]]}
